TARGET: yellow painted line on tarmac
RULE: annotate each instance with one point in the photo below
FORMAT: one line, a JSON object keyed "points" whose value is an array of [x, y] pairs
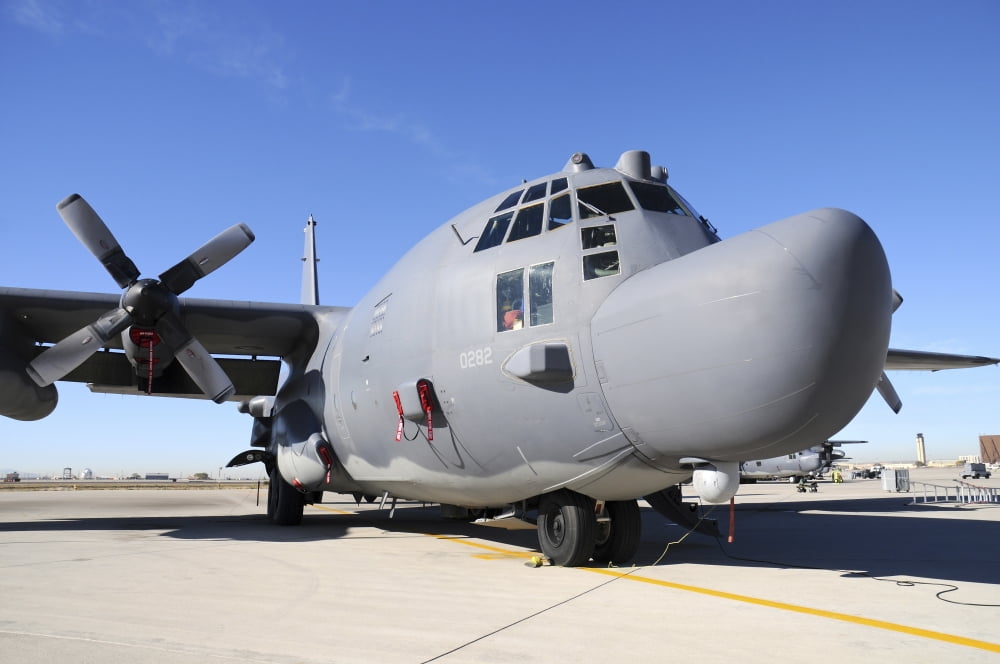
{"points": [[498, 553], [495, 552], [330, 509], [832, 615]]}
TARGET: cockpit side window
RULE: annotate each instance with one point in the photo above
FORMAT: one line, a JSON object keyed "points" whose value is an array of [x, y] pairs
{"points": [[495, 229], [527, 223], [540, 289], [559, 184], [510, 302], [604, 264], [560, 212], [603, 199], [510, 201], [598, 236], [656, 197]]}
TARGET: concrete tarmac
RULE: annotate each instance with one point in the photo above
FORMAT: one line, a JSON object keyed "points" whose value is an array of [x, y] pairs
{"points": [[849, 573]]}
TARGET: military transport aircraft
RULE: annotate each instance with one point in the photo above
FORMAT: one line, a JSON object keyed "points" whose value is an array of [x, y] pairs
{"points": [[554, 353], [805, 463]]}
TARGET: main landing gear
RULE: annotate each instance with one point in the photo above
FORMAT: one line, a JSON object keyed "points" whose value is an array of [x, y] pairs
{"points": [[284, 504], [571, 529]]}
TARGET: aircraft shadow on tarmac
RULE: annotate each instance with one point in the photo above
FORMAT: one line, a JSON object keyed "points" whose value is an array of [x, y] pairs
{"points": [[846, 537], [878, 537]]}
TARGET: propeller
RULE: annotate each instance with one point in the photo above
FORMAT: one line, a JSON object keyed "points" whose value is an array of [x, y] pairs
{"points": [[884, 385], [147, 303]]}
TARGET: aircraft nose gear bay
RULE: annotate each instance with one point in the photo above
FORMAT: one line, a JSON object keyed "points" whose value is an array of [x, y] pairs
{"points": [[542, 360]]}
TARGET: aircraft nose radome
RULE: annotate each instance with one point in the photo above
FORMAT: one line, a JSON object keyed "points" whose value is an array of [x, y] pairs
{"points": [[752, 347]]}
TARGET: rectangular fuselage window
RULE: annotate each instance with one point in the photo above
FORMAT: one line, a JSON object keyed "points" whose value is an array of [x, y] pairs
{"points": [[604, 264], [513, 300], [594, 237], [510, 300], [540, 288]]}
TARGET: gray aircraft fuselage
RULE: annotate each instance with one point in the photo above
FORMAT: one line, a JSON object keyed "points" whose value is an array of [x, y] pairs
{"points": [[548, 356], [594, 334]]}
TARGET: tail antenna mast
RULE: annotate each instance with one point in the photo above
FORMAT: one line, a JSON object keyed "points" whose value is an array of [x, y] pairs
{"points": [[310, 281]]}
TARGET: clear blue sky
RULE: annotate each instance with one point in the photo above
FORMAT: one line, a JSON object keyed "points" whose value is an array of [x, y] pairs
{"points": [[385, 119]]}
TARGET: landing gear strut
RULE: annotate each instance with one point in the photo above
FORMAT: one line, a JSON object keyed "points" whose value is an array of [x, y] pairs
{"points": [[284, 504]]}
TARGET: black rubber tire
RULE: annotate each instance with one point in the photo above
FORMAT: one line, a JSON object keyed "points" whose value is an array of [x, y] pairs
{"points": [[284, 504], [621, 540], [566, 528]]}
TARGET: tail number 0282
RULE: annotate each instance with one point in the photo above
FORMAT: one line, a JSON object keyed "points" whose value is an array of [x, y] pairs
{"points": [[479, 357]]}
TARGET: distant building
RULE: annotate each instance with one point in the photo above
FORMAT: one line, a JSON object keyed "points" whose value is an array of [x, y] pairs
{"points": [[921, 450], [989, 449], [157, 476]]}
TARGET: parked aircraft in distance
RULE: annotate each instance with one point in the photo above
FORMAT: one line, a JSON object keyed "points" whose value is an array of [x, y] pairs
{"points": [[810, 462], [551, 354]]}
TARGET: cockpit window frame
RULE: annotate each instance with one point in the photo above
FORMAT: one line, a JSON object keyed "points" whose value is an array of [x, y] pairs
{"points": [[656, 197], [535, 192], [527, 222], [495, 231], [610, 200], [512, 199]]}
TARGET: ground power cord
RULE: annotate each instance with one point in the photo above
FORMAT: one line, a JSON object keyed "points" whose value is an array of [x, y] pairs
{"points": [[948, 587], [632, 570]]}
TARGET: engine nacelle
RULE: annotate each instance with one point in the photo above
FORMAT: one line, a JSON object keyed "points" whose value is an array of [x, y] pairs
{"points": [[304, 456], [138, 342], [716, 482], [20, 397]]}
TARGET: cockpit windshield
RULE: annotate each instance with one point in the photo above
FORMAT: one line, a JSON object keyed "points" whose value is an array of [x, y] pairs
{"points": [[603, 199], [547, 206], [529, 218], [656, 197]]}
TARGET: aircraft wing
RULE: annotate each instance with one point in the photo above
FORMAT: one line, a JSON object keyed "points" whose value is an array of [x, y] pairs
{"points": [[244, 331], [916, 360]]}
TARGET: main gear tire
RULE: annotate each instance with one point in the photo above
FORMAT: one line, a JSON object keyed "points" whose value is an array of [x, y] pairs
{"points": [[566, 528], [285, 505], [618, 538]]}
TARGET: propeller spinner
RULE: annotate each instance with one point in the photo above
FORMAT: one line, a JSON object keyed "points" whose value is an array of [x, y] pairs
{"points": [[147, 303]]}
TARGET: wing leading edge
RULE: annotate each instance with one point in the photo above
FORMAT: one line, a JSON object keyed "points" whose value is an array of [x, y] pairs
{"points": [[243, 332], [916, 360]]}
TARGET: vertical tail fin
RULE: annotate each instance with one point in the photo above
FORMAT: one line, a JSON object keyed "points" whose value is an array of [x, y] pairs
{"points": [[310, 283]]}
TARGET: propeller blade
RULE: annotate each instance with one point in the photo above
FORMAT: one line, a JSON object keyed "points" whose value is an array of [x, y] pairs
{"points": [[205, 371], [196, 360], [211, 256], [73, 351], [91, 230], [888, 393]]}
